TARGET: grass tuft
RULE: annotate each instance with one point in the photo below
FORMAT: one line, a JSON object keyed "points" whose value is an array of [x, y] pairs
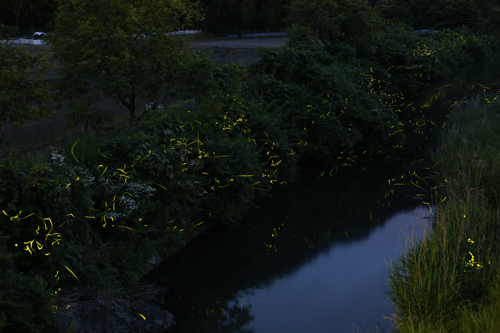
{"points": [[442, 283]]}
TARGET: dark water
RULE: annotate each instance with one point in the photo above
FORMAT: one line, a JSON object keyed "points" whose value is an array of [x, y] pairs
{"points": [[314, 259]]}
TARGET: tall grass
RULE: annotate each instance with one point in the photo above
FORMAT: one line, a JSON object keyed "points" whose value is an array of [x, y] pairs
{"points": [[442, 282]]}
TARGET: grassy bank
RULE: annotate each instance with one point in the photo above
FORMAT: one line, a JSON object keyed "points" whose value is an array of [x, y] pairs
{"points": [[450, 282]]}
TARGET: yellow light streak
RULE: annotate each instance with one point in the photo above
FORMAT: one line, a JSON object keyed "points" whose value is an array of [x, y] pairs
{"points": [[30, 247], [72, 148], [103, 171], [161, 186], [122, 226], [220, 156], [72, 272], [198, 224], [101, 153]]}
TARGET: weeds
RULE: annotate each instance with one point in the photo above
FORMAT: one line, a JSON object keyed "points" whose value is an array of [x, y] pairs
{"points": [[442, 282]]}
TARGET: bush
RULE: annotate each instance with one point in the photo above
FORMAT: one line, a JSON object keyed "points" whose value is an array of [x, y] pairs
{"points": [[450, 272], [321, 103], [7, 31]]}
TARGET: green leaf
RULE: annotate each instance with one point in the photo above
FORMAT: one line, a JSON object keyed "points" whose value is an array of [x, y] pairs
{"points": [[11, 206]]}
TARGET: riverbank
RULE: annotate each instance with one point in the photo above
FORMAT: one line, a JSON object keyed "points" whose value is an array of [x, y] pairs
{"points": [[450, 282], [95, 209]]}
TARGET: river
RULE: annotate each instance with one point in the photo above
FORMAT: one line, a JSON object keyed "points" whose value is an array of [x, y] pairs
{"points": [[315, 257]]}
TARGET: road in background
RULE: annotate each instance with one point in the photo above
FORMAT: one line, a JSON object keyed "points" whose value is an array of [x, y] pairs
{"points": [[245, 42], [243, 52]]}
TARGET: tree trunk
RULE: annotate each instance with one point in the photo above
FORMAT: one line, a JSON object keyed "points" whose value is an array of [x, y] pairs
{"points": [[131, 107], [1, 132], [17, 12]]}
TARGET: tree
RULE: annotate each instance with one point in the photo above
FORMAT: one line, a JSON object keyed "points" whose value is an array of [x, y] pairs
{"points": [[436, 14], [248, 14], [491, 23], [451, 14], [120, 49], [347, 21], [27, 14], [393, 10], [16, 7], [22, 94], [235, 16]]}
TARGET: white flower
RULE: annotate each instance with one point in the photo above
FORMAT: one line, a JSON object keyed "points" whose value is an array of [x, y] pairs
{"points": [[84, 175], [57, 158], [113, 215], [153, 106], [129, 203], [138, 189]]}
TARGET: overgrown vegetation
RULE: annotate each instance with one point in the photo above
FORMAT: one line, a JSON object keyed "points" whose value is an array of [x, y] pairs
{"points": [[95, 209], [7, 32], [121, 50], [23, 95], [28, 16], [442, 14], [448, 282]]}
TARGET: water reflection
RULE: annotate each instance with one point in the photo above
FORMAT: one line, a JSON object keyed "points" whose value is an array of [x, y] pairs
{"points": [[341, 289], [313, 259]]}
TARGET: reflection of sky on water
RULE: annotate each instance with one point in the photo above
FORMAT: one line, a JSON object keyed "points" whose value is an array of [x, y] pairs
{"points": [[343, 286], [303, 274]]}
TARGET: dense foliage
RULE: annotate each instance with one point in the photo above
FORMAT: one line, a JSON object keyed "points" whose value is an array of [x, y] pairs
{"points": [[7, 32], [95, 210], [247, 16], [22, 94], [118, 49], [448, 282], [352, 22], [28, 15], [442, 14], [326, 104], [236, 16]]}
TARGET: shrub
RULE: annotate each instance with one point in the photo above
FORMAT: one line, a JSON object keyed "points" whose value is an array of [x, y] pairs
{"points": [[321, 104], [7, 31]]}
